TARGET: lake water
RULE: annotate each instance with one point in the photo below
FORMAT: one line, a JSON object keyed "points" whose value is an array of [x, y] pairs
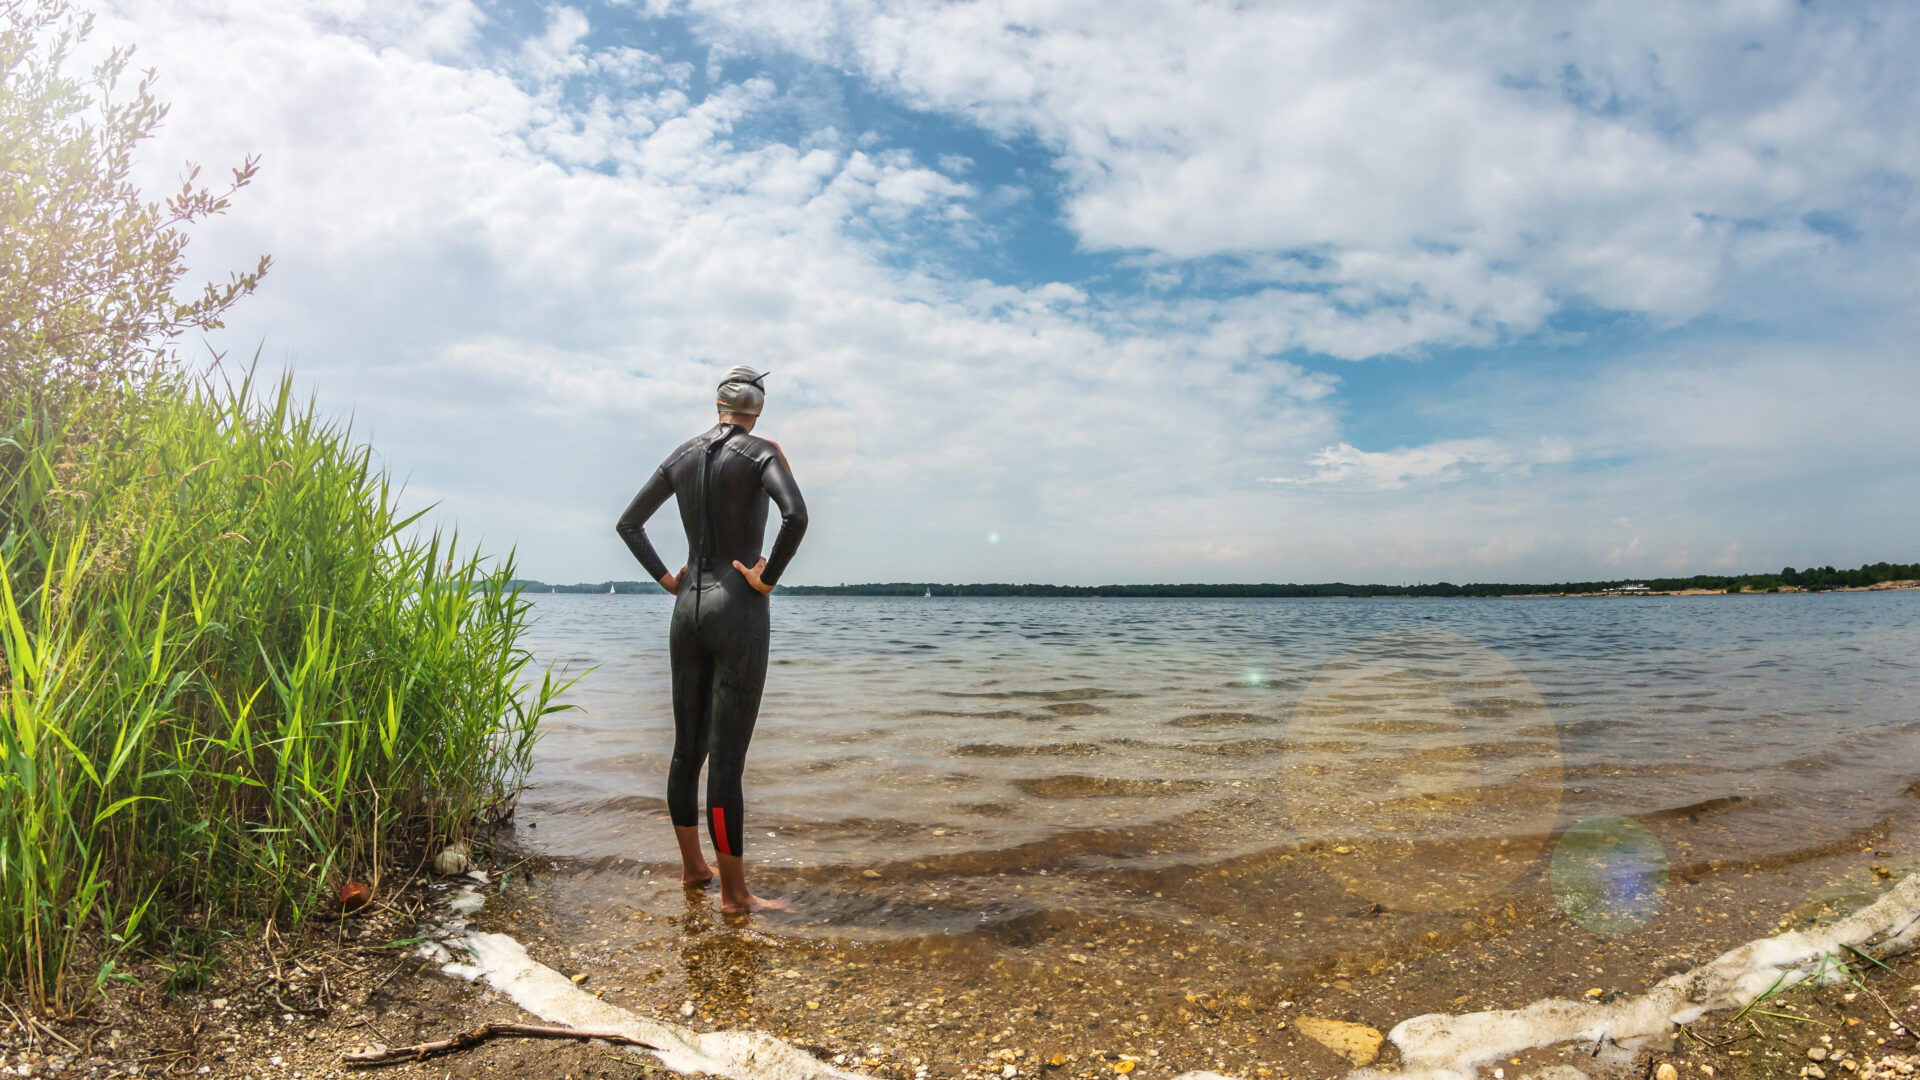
{"points": [[1268, 794], [897, 729]]}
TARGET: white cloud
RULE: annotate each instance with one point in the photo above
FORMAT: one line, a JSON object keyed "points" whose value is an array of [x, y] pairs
{"points": [[522, 266], [1631, 551], [1475, 167], [1451, 460], [524, 295]]}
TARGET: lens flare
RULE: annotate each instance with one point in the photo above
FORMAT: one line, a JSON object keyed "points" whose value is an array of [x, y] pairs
{"points": [[1422, 771], [1609, 874]]}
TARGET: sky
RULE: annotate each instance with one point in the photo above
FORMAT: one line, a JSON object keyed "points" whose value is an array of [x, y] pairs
{"points": [[1093, 291]]}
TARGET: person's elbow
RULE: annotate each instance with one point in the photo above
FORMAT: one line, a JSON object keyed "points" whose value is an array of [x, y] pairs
{"points": [[795, 520]]}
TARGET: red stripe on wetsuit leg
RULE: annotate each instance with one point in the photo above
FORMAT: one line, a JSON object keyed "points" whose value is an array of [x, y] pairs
{"points": [[720, 831]]}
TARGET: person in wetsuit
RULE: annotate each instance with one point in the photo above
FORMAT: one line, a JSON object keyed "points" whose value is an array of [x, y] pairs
{"points": [[717, 639]]}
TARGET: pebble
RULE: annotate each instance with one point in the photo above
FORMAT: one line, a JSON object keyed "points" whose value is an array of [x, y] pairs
{"points": [[1358, 1043], [1817, 1053], [452, 859], [1666, 1072]]}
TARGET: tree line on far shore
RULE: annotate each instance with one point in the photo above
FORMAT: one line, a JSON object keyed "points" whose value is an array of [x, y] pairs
{"points": [[1811, 579]]}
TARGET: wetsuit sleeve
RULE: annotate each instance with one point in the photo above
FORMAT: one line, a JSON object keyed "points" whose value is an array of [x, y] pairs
{"points": [[632, 526], [778, 480]]}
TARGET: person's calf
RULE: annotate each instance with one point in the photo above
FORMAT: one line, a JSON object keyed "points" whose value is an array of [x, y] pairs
{"points": [[693, 861]]}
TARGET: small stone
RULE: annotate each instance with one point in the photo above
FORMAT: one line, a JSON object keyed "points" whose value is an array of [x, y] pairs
{"points": [[870, 873], [1817, 1053], [1357, 1043], [579, 978], [686, 1008], [813, 1005], [1815, 1072], [453, 858], [1666, 1071]]}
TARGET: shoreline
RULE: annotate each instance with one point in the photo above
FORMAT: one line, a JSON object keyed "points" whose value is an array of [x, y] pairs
{"points": [[1050, 592], [877, 1006]]}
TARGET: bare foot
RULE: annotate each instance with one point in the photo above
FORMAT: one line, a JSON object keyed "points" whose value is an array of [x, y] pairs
{"points": [[694, 879], [734, 897], [754, 904]]}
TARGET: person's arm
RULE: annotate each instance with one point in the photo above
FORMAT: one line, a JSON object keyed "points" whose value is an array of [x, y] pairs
{"points": [[632, 526], [778, 480], [780, 485]]}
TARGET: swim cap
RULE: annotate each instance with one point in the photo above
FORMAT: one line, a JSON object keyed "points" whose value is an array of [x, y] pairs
{"points": [[741, 392]]}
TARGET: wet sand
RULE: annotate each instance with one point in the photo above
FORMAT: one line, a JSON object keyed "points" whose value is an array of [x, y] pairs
{"points": [[1150, 838], [1111, 971], [1101, 990]]}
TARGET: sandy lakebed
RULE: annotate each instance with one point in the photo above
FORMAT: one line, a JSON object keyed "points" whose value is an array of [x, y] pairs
{"points": [[1098, 1002], [1067, 838]]}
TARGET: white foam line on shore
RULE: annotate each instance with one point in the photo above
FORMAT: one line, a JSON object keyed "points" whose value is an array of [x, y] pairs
{"points": [[738, 1055], [551, 996], [1440, 1046], [1437, 1046]]}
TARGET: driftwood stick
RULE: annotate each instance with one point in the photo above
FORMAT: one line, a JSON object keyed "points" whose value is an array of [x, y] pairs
{"points": [[465, 1039]]}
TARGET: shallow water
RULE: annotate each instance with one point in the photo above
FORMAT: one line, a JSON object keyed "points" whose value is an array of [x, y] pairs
{"points": [[1101, 824], [904, 729]]}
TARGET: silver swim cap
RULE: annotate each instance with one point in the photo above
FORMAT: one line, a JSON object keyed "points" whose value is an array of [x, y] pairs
{"points": [[741, 392]]}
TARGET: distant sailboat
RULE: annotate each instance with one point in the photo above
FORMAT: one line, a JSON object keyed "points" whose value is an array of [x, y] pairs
{"points": [[929, 595], [609, 590]]}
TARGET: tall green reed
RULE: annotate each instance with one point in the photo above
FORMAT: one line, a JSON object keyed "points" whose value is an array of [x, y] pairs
{"points": [[230, 676]]}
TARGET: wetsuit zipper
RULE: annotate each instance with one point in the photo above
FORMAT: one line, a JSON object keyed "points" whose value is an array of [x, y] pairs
{"points": [[706, 518]]}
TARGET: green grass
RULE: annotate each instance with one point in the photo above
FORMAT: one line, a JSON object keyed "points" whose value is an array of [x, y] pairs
{"points": [[230, 677]]}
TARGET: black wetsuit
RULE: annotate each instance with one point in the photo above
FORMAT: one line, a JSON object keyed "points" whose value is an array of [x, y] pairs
{"points": [[718, 636]]}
